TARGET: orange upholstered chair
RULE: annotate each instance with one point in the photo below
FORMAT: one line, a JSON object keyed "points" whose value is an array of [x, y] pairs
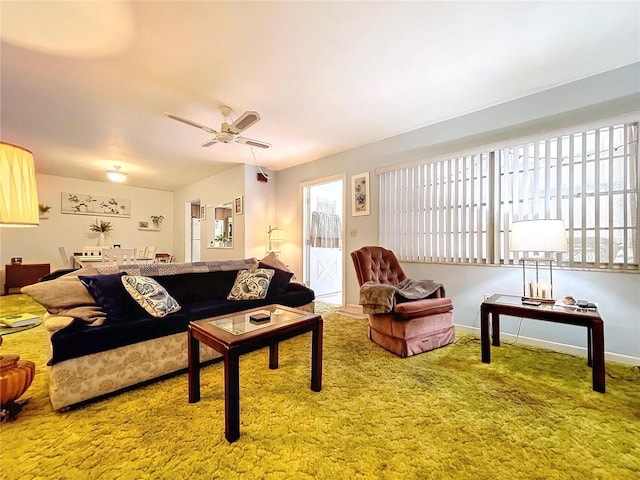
{"points": [[408, 327]]}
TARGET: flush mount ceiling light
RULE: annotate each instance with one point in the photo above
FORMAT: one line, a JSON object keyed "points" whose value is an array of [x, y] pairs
{"points": [[116, 175]]}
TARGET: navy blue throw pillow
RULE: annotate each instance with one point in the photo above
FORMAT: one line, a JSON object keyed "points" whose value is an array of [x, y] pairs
{"points": [[279, 281], [111, 296]]}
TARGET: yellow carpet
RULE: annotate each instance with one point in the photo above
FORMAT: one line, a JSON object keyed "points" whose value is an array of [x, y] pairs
{"points": [[530, 414]]}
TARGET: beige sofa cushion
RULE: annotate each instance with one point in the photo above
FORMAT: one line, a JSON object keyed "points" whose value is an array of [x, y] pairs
{"points": [[59, 294], [67, 297]]}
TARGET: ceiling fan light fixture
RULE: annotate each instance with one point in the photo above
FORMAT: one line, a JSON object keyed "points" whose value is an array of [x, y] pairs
{"points": [[225, 137], [116, 175]]}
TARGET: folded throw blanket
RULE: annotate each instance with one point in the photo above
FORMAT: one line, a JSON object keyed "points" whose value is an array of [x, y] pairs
{"points": [[380, 297]]}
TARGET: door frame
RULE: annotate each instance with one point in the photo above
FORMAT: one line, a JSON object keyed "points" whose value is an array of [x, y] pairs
{"points": [[303, 208]]}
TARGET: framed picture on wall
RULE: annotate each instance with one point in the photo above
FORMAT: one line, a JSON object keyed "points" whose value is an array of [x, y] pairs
{"points": [[85, 204], [360, 201], [237, 206], [203, 212]]}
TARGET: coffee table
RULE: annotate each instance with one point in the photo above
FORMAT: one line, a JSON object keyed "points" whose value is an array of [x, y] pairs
{"points": [[511, 305], [235, 334]]}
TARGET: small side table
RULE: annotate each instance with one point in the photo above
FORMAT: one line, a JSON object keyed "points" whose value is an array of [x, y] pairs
{"points": [[19, 275], [511, 305]]}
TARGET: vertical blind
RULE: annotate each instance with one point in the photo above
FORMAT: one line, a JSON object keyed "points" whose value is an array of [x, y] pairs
{"points": [[460, 210]]}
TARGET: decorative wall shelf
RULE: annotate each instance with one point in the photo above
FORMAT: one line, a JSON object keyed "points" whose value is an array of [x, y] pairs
{"points": [[149, 229]]}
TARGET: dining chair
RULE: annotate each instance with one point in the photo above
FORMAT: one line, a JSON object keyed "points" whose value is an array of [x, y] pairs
{"points": [[119, 256], [142, 252], [66, 263], [91, 250], [150, 252], [163, 258]]}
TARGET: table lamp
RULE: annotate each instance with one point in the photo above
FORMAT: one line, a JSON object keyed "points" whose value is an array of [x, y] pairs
{"points": [[536, 238], [275, 236]]}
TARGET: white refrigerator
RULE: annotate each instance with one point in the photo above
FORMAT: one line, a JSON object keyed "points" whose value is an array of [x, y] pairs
{"points": [[195, 239]]}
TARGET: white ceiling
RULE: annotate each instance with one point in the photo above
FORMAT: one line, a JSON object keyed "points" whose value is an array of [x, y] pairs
{"points": [[84, 84]]}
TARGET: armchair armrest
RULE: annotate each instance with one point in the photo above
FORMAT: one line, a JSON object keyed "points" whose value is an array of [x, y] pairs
{"points": [[377, 297]]}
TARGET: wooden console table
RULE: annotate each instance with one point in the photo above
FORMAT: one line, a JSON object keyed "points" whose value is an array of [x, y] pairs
{"points": [[512, 305], [19, 275]]}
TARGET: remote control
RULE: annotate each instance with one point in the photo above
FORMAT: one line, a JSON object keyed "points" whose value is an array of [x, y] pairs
{"points": [[533, 303], [259, 318]]}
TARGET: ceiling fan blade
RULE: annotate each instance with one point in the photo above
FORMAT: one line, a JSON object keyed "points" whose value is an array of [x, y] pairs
{"points": [[210, 142], [253, 143], [191, 122], [244, 121]]}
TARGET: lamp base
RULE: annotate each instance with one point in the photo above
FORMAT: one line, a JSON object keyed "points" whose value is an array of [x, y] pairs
{"points": [[538, 299]]}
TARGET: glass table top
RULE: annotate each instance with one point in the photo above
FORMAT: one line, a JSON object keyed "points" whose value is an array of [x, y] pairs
{"points": [[558, 306], [249, 322]]}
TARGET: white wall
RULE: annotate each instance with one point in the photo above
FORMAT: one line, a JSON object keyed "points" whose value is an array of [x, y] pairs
{"points": [[599, 97], [259, 210], [40, 244], [215, 190]]}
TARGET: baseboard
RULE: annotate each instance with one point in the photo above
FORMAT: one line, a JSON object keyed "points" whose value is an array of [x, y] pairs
{"points": [[558, 347]]}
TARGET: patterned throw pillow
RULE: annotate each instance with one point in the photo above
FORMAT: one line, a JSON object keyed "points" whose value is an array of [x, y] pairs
{"points": [[251, 284], [150, 295]]}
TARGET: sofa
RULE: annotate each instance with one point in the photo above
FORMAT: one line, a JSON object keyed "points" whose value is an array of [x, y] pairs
{"points": [[108, 333]]}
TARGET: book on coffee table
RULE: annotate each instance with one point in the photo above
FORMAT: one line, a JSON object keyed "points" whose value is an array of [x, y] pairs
{"points": [[20, 320]]}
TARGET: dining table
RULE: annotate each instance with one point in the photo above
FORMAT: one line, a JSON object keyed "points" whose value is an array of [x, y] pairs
{"points": [[80, 260]]}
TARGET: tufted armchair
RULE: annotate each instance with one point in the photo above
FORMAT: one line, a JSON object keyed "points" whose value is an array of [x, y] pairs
{"points": [[408, 327]]}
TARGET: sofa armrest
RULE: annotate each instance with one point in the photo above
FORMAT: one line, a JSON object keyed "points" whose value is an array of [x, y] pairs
{"points": [[53, 323]]}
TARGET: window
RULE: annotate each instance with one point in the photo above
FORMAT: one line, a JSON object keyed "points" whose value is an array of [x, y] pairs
{"points": [[460, 209]]}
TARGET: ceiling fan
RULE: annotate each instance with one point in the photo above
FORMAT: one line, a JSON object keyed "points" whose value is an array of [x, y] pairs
{"points": [[228, 133]]}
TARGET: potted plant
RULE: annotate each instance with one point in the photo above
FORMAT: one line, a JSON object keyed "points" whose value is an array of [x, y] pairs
{"points": [[102, 227], [43, 210], [221, 240], [157, 220]]}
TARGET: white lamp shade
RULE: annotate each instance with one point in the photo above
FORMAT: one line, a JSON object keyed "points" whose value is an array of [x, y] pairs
{"points": [[277, 235], [538, 236], [18, 193]]}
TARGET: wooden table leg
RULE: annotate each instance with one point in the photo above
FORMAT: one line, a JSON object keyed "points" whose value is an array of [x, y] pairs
{"points": [[484, 335], [597, 371], [193, 353], [231, 396], [495, 329], [589, 347], [316, 356], [273, 355]]}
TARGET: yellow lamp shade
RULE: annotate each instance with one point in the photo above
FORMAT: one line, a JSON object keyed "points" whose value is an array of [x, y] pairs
{"points": [[18, 194]]}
